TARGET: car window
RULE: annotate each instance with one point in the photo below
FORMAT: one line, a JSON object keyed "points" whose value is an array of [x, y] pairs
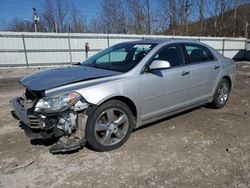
{"points": [[210, 55], [115, 56], [140, 52], [196, 53], [172, 54], [121, 57]]}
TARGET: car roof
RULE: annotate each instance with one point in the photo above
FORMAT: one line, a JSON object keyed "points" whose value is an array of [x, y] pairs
{"points": [[164, 40]]}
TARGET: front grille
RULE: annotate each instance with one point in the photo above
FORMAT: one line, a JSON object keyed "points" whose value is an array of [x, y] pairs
{"points": [[34, 121], [28, 101]]}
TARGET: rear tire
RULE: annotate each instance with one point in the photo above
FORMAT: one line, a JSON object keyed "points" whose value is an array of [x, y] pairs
{"points": [[221, 94], [109, 126]]}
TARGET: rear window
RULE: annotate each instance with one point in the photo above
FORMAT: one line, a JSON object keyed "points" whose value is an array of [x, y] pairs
{"points": [[197, 53]]}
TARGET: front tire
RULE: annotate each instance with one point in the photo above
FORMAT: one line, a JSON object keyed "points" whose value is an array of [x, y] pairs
{"points": [[221, 94], [109, 126]]}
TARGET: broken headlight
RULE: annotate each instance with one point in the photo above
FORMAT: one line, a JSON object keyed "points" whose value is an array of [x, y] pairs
{"points": [[57, 103]]}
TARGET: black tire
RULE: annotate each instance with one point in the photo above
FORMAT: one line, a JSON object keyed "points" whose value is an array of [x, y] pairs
{"points": [[217, 103], [93, 137]]}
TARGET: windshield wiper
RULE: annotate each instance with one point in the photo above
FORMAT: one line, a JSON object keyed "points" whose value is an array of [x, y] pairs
{"points": [[106, 68]]}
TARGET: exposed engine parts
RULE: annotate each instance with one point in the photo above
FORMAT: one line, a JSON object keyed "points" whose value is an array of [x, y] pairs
{"points": [[73, 124], [67, 122], [74, 141]]}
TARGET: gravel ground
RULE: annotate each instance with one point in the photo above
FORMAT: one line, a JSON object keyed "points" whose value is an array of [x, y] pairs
{"points": [[199, 148]]}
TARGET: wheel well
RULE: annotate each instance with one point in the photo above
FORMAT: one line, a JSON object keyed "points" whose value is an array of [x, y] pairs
{"points": [[229, 81], [128, 102]]}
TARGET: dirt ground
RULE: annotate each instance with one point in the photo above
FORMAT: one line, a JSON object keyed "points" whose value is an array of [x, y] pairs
{"points": [[199, 148]]}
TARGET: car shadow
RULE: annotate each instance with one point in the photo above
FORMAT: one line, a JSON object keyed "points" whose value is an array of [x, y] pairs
{"points": [[44, 142], [36, 141]]}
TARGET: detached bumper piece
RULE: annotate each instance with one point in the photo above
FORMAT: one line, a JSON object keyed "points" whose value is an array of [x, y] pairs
{"points": [[67, 145]]}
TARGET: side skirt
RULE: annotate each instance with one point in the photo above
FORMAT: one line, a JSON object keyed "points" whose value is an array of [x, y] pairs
{"points": [[170, 113]]}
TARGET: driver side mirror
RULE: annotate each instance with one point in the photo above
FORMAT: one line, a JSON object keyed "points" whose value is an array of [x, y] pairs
{"points": [[159, 64]]}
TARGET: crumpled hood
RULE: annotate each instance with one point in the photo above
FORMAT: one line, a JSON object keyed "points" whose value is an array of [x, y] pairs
{"points": [[57, 77]]}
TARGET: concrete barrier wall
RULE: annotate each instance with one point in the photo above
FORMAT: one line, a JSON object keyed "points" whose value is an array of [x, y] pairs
{"points": [[27, 48]]}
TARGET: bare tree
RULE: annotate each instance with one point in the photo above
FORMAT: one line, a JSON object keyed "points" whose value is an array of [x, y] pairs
{"points": [[224, 6], [106, 15], [20, 25], [167, 17], [163, 17], [49, 17], [236, 5], [136, 18], [222, 11], [148, 15], [60, 16], [175, 17], [184, 12], [201, 16], [3, 25], [96, 26], [133, 16], [246, 22], [214, 13], [77, 23], [114, 16], [55, 15]]}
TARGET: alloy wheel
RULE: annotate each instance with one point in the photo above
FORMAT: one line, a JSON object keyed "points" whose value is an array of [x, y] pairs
{"points": [[111, 126], [223, 92]]}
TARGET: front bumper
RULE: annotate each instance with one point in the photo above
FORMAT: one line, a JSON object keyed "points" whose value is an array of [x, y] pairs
{"points": [[19, 112], [34, 126]]}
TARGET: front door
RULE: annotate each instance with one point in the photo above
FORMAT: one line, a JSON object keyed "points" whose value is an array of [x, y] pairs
{"points": [[165, 90]]}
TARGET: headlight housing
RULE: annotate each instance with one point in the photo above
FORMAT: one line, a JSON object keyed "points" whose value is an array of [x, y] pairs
{"points": [[57, 103]]}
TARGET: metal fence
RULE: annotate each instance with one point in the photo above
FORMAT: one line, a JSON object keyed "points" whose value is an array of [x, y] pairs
{"points": [[28, 49]]}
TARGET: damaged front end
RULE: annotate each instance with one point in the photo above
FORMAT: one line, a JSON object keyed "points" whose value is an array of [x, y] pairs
{"points": [[61, 117]]}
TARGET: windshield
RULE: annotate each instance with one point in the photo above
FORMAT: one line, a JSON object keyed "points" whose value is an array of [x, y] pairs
{"points": [[120, 57]]}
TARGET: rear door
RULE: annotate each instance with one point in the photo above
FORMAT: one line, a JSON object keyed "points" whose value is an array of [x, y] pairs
{"points": [[205, 71]]}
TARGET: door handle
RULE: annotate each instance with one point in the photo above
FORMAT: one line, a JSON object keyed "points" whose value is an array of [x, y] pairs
{"points": [[216, 67], [184, 73]]}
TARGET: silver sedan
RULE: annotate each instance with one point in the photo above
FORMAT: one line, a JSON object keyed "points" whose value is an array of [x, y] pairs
{"points": [[101, 101]]}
